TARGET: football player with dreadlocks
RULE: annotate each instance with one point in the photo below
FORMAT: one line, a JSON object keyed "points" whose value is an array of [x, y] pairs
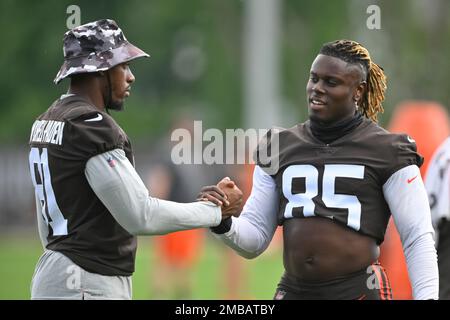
{"points": [[339, 178], [90, 201]]}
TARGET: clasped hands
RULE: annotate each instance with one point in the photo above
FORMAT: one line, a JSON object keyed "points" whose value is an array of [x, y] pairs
{"points": [[226, 195]]}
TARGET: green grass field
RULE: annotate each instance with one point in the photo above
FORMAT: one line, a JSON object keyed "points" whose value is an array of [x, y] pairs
{"points": [[19, 254]]}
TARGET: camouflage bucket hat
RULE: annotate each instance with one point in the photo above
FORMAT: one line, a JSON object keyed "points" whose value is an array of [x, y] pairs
{"points": [[95, 46]]}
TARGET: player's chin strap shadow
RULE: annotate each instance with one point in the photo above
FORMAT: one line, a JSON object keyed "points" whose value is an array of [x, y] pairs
{"points": [[108, 102]]}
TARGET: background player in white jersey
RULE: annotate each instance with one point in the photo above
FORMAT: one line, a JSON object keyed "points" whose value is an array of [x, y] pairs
{"points": [[90, 201], [340, 177], [438, 187]]}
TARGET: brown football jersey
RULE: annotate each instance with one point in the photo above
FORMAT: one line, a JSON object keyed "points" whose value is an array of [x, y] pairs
{"points": [[62, 140], [342, 180]]}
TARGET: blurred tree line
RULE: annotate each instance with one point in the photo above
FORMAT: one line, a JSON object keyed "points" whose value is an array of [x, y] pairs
{"points": [[196, 56]]}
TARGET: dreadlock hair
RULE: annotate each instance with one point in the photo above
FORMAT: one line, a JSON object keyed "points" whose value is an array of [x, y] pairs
{"points": [[352, 52]]}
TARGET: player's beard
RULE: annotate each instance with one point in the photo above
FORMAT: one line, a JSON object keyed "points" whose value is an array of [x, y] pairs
{"points": [[115, 105], [111, 104]]}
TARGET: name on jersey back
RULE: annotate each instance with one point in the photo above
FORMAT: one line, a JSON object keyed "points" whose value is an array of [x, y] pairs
{"points": [[47, 131]]}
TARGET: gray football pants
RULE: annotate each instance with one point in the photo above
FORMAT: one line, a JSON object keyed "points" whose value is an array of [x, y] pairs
{"points": [[57, 277]]}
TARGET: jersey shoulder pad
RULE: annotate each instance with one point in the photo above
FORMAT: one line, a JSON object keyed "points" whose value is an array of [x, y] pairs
{"points": [[399, 149], [267, 152], [89, 131]]}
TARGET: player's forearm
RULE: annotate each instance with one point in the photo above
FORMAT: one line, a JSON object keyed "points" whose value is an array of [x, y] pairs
{"points": [[144, 215], [423, 271], [124, 194], [250, 234], [245, 238]]}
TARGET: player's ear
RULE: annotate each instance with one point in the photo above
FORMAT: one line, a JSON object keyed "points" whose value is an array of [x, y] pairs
{"points": [[359, 92]]}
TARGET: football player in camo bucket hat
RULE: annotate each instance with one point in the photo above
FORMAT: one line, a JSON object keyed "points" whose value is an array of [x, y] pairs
{"points": [[96, 46]]}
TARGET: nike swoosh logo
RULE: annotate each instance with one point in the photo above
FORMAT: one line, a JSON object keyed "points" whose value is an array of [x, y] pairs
{"points": [[412, 179], [411, 139], [99, 117]]}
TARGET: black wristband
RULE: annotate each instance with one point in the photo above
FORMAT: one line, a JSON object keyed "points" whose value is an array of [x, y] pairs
{"points": [[223, 227]]}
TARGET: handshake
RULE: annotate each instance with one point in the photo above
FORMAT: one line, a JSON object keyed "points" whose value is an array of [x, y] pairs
{"points": [[226, 195]]}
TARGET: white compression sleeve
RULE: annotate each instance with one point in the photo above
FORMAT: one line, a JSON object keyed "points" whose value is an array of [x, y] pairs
{"points": [[407, 199], [117, 184], [251, 233]]}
